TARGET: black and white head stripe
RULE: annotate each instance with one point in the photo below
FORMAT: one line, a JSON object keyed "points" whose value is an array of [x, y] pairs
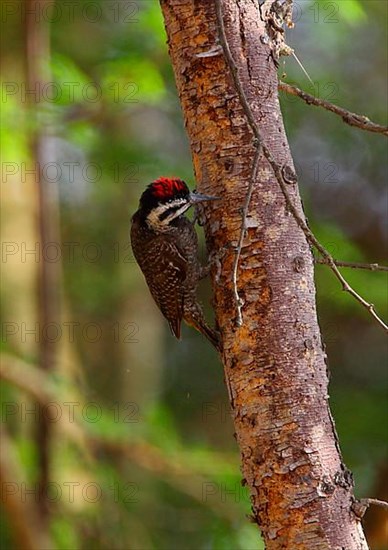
{"points": [[163, 214], [176, 208]]}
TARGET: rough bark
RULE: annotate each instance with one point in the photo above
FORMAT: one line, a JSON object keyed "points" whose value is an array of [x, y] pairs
{"points": [[274, 363]]}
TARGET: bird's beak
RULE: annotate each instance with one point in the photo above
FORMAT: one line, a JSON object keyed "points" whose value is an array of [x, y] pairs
{"points": [[199, 197]]}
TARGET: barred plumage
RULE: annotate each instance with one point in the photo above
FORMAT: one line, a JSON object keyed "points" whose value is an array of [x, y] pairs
{"points": [[165, 245]]}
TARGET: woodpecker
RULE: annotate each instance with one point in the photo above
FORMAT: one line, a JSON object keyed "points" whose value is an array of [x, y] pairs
{"points": [[165, 245]]}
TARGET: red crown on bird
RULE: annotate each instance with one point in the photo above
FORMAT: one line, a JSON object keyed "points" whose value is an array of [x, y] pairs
{"points": [[164, 188]]}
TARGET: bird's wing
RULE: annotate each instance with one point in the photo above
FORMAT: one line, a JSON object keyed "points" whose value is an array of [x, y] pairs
{"points": [[165, 271]]}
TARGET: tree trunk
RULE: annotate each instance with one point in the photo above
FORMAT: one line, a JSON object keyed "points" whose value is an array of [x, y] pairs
{"points": [[274, 363]]}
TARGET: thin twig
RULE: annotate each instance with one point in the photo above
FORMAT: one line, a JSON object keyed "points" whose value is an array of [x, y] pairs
{"points": [[353, 119], [279, 173], [359, 507], [375, 501], [255, 166], [353, 265], [314, 241]]}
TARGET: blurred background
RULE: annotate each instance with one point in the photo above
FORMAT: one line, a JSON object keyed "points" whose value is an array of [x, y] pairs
{"points": [[114, 434]]}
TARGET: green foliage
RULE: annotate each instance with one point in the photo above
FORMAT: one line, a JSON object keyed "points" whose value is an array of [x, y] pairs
{"points": [[133, 76], [362, 434], [13, 142], [64, 533], [70, 79], [354, 12]]}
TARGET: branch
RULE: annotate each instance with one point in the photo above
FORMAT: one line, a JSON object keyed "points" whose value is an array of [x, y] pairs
{"points": [[173, 470], [353, 265], [359, 507], [353, 119], [314, 241], [375, 501], [278, 170], [39, 384]]}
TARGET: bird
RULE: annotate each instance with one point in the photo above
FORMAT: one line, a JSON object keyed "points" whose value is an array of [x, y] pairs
{"points": [[165, 245]]}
